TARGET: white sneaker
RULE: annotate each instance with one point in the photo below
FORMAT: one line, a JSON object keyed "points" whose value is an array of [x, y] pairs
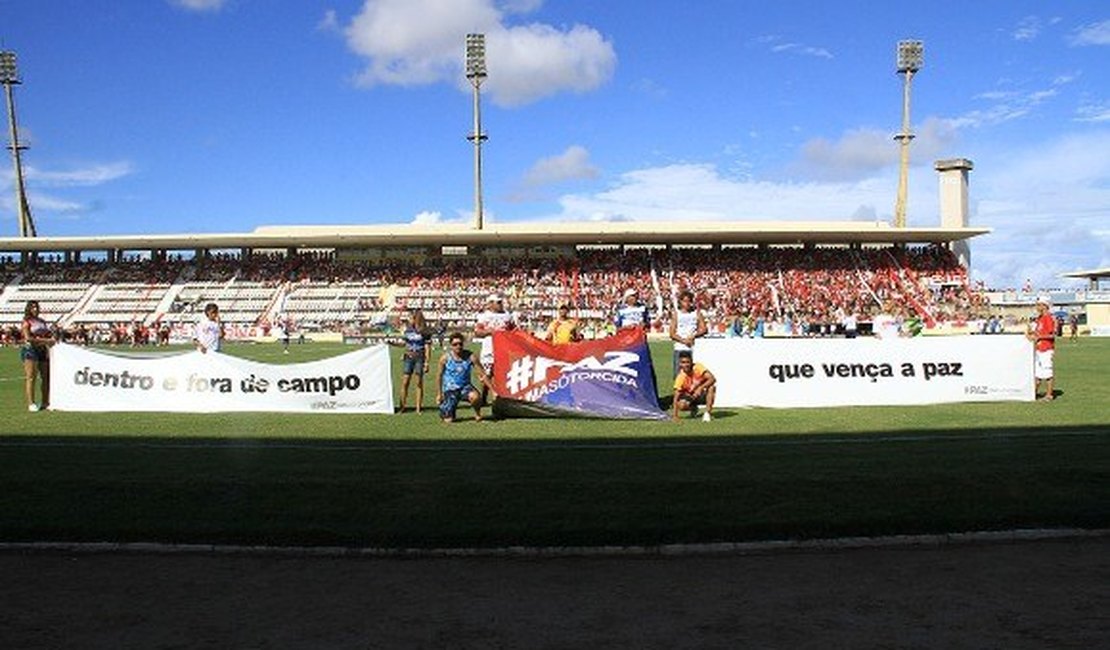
{"points": [[33, 408], [706, 417]]}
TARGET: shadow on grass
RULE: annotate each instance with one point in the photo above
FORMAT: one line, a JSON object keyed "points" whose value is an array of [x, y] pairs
{"points": [[544, 492]]}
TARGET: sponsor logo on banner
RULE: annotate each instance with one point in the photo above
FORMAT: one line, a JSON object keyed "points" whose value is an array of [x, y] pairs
{"points": [[606, 378], [538, 376]]}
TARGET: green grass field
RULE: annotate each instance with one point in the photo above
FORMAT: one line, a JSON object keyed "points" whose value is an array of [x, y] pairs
{"points": [[410, 481]]}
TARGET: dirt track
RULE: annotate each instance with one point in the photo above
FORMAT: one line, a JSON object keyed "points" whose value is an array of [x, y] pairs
{"points": [[1048, 594]]}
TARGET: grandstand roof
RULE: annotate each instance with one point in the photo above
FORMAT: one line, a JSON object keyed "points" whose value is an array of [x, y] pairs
{"points": [[554, 233], [1093, 274]]}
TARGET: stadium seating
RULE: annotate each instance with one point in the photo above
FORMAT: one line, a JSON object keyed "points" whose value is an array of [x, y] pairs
{"points": [[794, 290]]}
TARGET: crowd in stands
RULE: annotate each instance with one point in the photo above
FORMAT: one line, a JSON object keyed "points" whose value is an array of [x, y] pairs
{"points": [[800, 290]]}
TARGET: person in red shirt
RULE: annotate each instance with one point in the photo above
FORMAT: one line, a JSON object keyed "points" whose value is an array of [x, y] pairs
{"points": [[694, 385], [1043, 334]]}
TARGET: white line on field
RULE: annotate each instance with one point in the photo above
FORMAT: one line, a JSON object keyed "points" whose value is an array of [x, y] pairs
{"points": [[481, 445], [664, 550]]}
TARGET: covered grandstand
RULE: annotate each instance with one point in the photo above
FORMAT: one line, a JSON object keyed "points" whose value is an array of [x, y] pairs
{"points": [[351, 278]]}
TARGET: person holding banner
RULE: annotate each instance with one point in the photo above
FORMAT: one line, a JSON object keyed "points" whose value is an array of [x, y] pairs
{"points": [[493, 319], [886, 325], [630, 313], [694, 385], [209, 331], [35, 354], [1042, 333], [563, 329], [454, 380], [687, 325], [282, 333], [417, 344]]}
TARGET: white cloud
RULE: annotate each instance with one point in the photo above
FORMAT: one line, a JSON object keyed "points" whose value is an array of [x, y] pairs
{"points": [[521, 6], [57, 205], [1047, 204], [699, 192], [860, 152], [1027, 29], [777, 46], [1010, 104], [200, 5], [432, 217], [650, 88], [535, 61], [1092, 34], [329, 22], [857, 151], [572, 164], [1094, 112], [42, 203], [1062, 79], [807, 50], [86, 177], [428, 217], [416, 42]]}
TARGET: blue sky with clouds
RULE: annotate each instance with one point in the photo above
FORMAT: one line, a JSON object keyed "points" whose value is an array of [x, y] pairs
{"points": [[160, 116]]}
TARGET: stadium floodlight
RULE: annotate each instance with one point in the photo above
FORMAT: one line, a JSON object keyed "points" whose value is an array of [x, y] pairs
{"points": [[476, 73], [8, 72], [911, 56], [9, 76], [475, 56]]}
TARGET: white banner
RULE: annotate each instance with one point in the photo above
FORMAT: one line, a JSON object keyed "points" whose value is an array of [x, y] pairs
{"points": [[786, 373], [82, 379]]}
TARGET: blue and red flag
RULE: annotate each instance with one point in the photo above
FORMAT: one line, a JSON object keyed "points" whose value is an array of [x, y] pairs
{"points": [[604, 378]]}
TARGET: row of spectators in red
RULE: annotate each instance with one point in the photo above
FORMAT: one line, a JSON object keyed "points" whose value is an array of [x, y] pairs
{"points": [[818, 284]]}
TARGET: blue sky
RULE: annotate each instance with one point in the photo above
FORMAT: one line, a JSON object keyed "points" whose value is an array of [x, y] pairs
{"points": [[167, 116]]}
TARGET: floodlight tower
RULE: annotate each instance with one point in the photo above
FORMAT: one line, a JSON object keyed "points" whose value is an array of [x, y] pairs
{"points": [[910, 59], [9, 76], [476, 73]]}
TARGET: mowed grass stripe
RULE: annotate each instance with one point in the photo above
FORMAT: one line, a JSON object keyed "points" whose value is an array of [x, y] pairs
{"points": [[449, 446]]}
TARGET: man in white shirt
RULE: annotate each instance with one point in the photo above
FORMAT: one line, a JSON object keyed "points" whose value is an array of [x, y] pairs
{"points": [[493, 319], [209, 331]]}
